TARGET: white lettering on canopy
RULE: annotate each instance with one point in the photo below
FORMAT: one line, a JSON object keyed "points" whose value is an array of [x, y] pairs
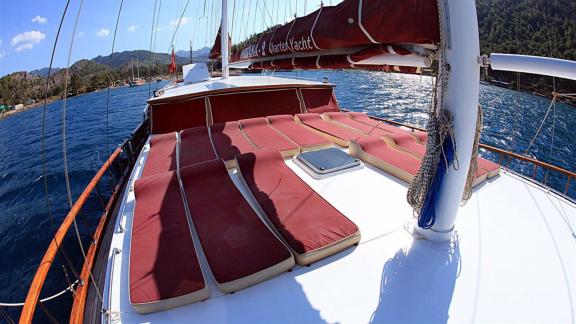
{"points": [[303, 44]]}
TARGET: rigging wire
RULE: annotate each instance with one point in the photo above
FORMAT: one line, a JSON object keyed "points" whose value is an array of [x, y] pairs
{"points": [[151, 66], [178, 25]]}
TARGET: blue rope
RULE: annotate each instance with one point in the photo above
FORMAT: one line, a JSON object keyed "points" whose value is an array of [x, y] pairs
{"points": [[427, 216]]}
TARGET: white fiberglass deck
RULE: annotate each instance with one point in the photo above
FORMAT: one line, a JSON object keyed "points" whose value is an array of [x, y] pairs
{"points": [[513, 260], [179, 89]]}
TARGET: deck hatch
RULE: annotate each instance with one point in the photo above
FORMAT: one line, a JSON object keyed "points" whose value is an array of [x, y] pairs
{"points": [[326, 161]]}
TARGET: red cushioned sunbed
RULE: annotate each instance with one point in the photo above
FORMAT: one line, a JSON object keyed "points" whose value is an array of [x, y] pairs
{"points": [[344, 120], [492, 168], [377, 152], [162, 154], [164, 271], [336, 134], [265, 137], [229, 141], [306, 139], [312, 227], [406, 143], [195, 146], [364, 118], [240, 249]]}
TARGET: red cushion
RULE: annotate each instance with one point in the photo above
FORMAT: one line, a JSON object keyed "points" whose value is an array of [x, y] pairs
{"points": [[342, 118], [304, 219], [174, 117], [487, 164], [379, 149], [252, 104], [408, 143], [364, 118], [162, 154], [229, 141], [315, 121], [163, 261], [319, 100], [195, 146], [264, 136], [234, 239], [298, 134]]}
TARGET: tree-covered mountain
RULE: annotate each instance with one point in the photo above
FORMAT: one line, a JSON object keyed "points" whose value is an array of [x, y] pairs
{"points": [[528, 27]]}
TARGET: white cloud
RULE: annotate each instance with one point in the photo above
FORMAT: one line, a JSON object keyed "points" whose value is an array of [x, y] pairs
{"points": [[183, 22], [2, 54], [103, 32], [132, 28], [27, 40], [158, 29], [40, 20], [80, 34]]}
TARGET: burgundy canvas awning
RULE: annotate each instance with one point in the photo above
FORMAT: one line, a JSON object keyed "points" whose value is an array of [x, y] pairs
{"points": [[352, 34]]}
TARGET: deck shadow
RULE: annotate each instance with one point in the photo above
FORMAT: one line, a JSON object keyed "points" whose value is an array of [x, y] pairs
{"points": [[418, 283]]}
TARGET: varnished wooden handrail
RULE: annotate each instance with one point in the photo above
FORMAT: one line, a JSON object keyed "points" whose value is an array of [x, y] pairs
{"points": [[528, 159], [40, 276], [77, 313]]}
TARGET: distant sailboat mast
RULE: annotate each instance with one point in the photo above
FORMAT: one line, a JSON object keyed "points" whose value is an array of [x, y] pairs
{"points": [[132, 68], [137, 68]]}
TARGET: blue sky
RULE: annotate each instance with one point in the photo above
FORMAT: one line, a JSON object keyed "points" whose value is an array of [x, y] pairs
{"points": [[28, 27]]}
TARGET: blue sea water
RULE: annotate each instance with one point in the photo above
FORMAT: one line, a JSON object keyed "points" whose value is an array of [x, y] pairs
{"points": [[510, 122]]}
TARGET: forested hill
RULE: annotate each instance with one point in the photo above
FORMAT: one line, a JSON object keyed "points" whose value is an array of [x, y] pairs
{"points": [[519, 27]]}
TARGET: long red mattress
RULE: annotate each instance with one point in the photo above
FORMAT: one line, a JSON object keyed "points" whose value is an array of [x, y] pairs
{"points": [[265, 137], [195, 146], [409, 144], [164, 267], [162, 154], [304, 219], [341, 134], [286, 125], [344, 119], [401, 165], [229, 141], [240, 249], [364, 118]]}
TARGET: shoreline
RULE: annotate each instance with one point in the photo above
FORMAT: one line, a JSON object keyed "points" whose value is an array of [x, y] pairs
{"points": [[28, 107]]}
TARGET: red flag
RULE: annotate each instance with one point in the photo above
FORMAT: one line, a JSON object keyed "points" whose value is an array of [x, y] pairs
{"points": [[172, 67]]}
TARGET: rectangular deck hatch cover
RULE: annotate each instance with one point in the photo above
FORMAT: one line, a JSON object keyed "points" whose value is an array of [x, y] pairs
{"points": [[323, 162]]}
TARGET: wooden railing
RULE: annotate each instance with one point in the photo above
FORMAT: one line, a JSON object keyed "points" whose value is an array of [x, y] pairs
{"points": [[507, 156], [123, 159]]}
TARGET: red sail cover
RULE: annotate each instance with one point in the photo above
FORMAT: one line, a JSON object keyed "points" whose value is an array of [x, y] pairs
{"points": [[216, 51], [365, 25]]}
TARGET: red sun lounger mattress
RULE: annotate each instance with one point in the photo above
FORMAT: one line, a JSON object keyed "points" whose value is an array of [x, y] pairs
{"points": [[404, 166], [195, 146], [229, 141], [344, 120], [164, 268], [162, 154], [306, 139], [312, 227], [364, 118], [240, 249], [337, 134], [265, 137]]}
